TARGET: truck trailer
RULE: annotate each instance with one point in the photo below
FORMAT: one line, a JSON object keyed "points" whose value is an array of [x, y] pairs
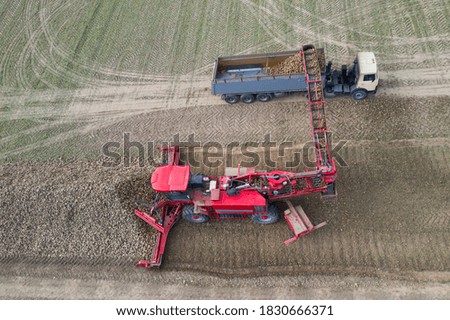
{"points": [[259, 77]]}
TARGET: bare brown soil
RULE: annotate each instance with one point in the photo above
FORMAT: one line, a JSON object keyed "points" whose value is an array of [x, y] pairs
{"points": [[72, 222]]}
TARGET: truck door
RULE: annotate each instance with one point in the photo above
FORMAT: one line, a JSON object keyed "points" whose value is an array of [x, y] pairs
{"points": [[368, 82]]}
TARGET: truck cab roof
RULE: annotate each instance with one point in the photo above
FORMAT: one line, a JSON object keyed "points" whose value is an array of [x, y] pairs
{"points": [[367, 62]]}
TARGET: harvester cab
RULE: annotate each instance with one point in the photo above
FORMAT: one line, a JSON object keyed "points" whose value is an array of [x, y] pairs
{"points": [[170, 178]]}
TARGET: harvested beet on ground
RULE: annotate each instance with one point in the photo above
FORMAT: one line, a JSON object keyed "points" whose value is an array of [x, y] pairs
{"points": [[80, 208]]}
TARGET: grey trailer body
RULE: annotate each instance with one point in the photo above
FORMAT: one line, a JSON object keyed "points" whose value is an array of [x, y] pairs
{"points": [[237, 75], [257, 84]]}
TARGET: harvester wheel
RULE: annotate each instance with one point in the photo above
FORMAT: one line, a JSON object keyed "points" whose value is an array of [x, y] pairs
{"points": [[189, 215], [231, 99], [271, 216], [247, 98], [264, 97], [359, 94]]}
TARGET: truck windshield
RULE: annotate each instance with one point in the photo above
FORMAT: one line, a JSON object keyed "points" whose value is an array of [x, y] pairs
{"points": [[369, 77]]}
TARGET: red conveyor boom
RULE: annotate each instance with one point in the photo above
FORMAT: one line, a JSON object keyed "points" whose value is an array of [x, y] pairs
{"points": [[316, 105]]}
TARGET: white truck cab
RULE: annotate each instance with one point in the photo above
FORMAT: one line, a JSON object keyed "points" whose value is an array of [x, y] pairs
{"points": [[358, 80], [366, 71]]}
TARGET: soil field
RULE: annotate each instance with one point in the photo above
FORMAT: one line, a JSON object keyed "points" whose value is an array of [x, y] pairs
{"points": [[77, 76], [390, 223]]}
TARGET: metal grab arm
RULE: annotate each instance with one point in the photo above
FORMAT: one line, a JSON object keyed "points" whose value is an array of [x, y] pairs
{"points": [[298, 222], [170, 212]]}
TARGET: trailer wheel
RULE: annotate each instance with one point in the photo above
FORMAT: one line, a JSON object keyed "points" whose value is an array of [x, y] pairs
{"points": [[247, 98], [189, 215], [267, 218], [264, 97], [231, 99], [359, 94], [279, 94], [329, 92]]}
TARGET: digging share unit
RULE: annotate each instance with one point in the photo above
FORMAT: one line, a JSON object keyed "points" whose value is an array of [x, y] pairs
{"points": [[244, 192]]}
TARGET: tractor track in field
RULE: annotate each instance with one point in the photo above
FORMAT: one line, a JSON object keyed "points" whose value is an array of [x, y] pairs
{"points": [[176, 284], [47, 59], [103, 120], [54, 57], [349, 120], [78, 268]]}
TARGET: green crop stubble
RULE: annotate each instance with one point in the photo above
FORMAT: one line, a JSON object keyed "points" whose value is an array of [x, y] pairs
{"points": [[99, 42], [9, 127], [24, 137], [56, 44]]}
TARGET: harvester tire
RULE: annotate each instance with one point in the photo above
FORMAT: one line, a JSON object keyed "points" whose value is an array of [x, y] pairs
{"points": [[189, 215], [270, 217]]}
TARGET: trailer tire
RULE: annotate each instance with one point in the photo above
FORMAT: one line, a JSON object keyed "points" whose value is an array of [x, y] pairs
{"points": [[264, 97], [232, 99], [247, 98], [270, 217], [359, 94], [279, 94], [329, 92], [189, 215]]}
